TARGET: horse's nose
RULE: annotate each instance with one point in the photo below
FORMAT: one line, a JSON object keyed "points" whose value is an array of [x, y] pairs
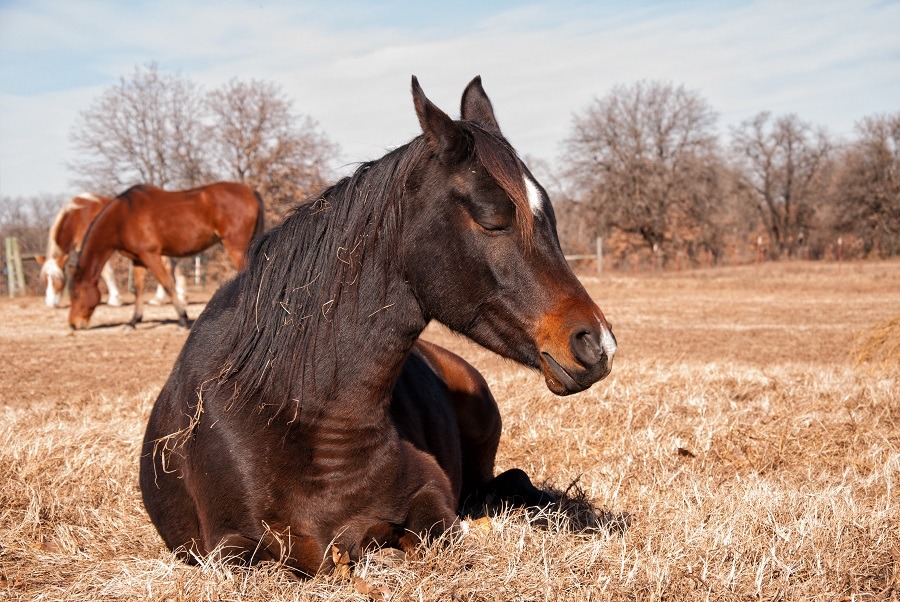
{"points": [[593, 345]]}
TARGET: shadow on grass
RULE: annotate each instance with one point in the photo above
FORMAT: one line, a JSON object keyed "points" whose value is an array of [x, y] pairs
{"points": [[581, 515], [570, 511], [142, 325]]}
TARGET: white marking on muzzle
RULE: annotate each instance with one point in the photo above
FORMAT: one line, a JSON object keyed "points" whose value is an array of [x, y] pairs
{"points": [[534, 196], [607, 341]]}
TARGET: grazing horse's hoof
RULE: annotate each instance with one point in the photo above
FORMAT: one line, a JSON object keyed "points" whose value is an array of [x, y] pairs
{"points": [[114, 302], [129, 327]]}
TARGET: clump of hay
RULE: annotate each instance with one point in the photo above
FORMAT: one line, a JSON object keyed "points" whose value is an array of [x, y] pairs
{"points": [[880, 346]]}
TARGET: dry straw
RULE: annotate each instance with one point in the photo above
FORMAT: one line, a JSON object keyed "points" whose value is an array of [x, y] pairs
{"points": [[735, 453]]}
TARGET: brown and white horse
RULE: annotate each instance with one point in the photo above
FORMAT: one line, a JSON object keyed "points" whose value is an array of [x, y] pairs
{"points": [[66, 236], [144, 223]]}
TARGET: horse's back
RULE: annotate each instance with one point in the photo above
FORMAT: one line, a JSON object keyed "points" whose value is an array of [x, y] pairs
{"points": [[233, 205], [73, 221]]}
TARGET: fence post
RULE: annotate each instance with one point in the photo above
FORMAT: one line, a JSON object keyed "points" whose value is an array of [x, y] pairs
{"points": [[10, 270], [14, 274], [599, 255], [840, 252]]}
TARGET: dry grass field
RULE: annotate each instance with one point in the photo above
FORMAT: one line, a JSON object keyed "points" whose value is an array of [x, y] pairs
{"points": [[738, 451]]}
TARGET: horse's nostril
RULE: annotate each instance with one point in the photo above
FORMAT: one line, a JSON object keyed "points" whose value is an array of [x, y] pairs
{"points": [[586, 347]]}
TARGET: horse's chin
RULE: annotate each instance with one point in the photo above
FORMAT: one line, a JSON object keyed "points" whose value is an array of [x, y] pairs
{"points": [[78, 324], [559, 380]]}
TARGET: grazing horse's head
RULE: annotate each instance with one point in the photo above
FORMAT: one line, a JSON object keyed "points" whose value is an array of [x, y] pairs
{"points": [[492, 268], [85, 297], [53, 278]]}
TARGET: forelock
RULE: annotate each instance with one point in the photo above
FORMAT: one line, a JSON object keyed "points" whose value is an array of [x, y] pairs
{"points": [[504, 166]]}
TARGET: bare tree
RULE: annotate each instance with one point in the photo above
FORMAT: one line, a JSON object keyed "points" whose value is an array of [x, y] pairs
{"points": [[147, 130], [644, 161], [256, 139], [785, 162], [29, 219], [867, 188]]}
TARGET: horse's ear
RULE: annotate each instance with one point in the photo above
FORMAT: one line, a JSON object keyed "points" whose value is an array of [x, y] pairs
{"points": [[476, 106], [441, 132]]}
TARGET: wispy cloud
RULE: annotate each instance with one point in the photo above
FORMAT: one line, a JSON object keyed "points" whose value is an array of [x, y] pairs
{"points": [[348, 64]]}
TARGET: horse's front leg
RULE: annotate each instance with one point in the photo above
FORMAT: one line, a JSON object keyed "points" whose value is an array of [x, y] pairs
{"points": [[157, 267], [140, 275], [109, 276]]}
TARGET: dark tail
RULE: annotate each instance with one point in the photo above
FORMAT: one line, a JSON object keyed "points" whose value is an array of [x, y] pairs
{"points": [[260, 217]]}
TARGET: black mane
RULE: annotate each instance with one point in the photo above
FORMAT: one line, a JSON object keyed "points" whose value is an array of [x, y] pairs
{"points": [[301, 270]]}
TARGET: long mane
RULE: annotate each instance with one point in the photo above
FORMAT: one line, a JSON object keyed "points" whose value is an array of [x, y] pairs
{"points": [[54, 251], [301, 273]]}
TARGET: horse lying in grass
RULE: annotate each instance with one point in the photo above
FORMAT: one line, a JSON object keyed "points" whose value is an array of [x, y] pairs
{"points": [[144, 223], [302, 413]]}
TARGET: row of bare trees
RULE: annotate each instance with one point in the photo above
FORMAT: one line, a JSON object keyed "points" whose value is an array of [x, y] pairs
{"points": [[646, 169], [162, 129]]}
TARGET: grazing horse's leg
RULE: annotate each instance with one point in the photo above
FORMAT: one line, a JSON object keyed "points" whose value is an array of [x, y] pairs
{"points": [[180, 285], [109, 277], [156, 266], [140, 275], [235, 250], [180, 280]]}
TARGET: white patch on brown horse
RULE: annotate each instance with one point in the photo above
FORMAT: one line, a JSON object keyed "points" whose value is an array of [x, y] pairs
{"points": [[56, 280], [535, 200]]}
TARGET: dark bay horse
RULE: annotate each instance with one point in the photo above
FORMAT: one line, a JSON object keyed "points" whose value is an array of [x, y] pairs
{"points": [[65, 238], [302, 413], [144, 223]]}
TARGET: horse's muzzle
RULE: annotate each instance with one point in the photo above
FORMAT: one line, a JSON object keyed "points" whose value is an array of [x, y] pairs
{"points": [[587, 360], [78, 324]]}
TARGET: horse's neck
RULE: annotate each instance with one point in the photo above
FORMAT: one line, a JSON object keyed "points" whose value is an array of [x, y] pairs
{"points": [[371, 342], [97, 248]]}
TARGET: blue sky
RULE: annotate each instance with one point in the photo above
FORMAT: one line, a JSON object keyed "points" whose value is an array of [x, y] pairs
{"points": [[347, 63]]}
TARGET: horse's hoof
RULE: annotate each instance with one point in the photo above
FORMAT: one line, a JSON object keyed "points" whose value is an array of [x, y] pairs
{"points": [[114, 302], [129, 327]]}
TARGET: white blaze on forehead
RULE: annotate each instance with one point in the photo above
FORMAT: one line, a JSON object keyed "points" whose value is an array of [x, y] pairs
{"points": [[55, 282], [535, 201], [52, 269], [89, 197]]}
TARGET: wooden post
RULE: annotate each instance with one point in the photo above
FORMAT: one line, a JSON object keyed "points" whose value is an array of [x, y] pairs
{"points": [[840, 252], [14, 274], [10, 270], [759, 252], [599, 255]]}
